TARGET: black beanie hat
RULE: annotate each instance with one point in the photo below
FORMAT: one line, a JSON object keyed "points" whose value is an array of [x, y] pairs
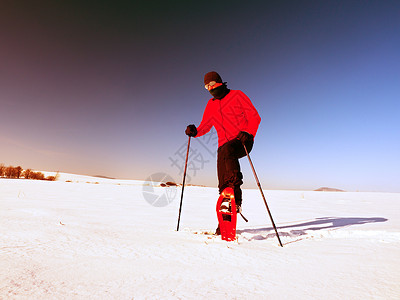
{"points": [[212, 76]]}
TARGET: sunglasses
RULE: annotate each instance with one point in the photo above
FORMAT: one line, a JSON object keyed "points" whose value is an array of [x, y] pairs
{"points": [[212, 85]]}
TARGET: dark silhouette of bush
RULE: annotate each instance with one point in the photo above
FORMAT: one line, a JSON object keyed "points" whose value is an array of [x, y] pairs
{"points": [[38, 175]]}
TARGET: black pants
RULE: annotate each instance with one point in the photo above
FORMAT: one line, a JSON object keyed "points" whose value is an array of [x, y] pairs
{"points": [[228, 166]]}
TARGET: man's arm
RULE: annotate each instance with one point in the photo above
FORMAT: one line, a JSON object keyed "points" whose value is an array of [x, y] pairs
{"points": [[206, 122], [251, 115]]}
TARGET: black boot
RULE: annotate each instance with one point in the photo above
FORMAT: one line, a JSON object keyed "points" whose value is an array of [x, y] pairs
{"points": [[238, 198], [218, 231]]}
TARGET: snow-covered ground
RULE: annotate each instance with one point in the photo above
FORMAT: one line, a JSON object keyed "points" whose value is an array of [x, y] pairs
{"points": [[95, 238]]}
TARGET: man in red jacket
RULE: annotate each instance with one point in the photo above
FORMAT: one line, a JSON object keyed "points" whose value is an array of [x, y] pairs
{"points": [[236, 120]]}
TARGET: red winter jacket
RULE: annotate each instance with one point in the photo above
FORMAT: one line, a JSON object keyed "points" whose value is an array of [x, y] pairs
{"points": [[229, 116]]}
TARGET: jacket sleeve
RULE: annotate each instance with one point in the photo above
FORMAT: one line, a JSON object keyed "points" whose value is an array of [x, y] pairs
{"points": [[206, 122], [251, 115]]}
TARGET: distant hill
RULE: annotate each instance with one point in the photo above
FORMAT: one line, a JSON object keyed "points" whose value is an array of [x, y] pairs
{"points": [[102, 176], [327, 189]]}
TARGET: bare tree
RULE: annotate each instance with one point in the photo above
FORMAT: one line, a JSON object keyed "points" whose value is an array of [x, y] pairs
{"points": [[2, 169], [10, 172], [18, 171], [28, 174]]}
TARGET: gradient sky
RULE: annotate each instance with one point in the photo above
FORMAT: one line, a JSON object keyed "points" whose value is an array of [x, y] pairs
{"points": [[108, 88]]}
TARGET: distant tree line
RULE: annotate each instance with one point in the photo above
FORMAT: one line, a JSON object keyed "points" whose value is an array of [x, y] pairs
{"points": [[19, 172]]}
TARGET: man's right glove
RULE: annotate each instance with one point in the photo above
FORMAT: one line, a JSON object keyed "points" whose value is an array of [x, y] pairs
{"points": [[191, 130], [244, 136]]}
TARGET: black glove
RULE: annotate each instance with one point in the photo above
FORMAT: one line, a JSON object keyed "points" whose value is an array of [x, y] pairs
{"points": [[191, 130], [244, 137]]}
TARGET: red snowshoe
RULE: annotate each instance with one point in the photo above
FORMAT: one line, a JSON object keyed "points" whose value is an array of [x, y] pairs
{"points": [[227, 215]]}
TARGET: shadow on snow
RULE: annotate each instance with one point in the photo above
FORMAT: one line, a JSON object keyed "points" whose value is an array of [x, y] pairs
{"points": [[297, 230]]}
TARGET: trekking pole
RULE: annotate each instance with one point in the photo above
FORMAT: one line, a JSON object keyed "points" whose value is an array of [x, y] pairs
{"points": [[183, 184], [262, 194]]}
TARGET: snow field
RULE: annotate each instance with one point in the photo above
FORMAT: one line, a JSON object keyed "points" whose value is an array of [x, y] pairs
{"points": [[79, 240]]}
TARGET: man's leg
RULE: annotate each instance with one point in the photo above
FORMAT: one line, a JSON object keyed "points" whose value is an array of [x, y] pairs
{"points": [[228, 166]]}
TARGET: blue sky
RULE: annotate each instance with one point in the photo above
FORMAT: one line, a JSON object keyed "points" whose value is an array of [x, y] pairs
{"points": [[109, 89]]}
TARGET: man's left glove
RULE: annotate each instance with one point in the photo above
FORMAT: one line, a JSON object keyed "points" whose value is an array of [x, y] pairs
{"points": [[191, 130], [244, 137]]}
